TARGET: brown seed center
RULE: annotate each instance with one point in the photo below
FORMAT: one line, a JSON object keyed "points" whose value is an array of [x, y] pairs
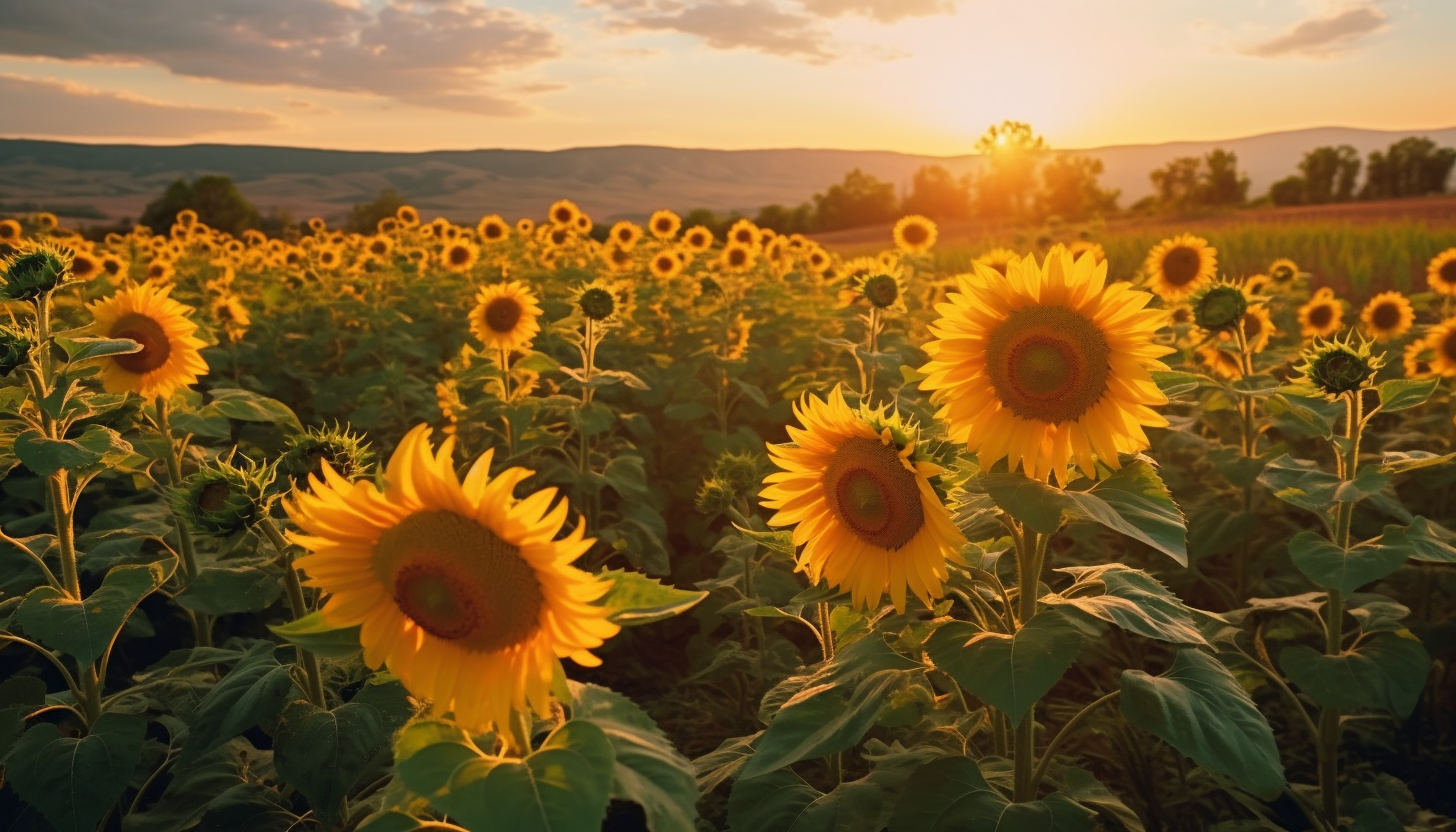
{"points": [[1321, 316], [156, 348], [1181, 266], [502, 314], [869, 490], [1385, 316], [1048, 363]]}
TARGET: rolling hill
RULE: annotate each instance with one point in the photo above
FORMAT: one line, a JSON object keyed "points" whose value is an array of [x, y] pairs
{"points": [[609, 182]]}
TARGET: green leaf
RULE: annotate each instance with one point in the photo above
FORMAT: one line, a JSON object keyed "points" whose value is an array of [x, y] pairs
{"points": [[1081, 786], [47, 456], [951, 795], [1175, 384], [193, 788], [428, 751], [782, 802], [823, 719], [1346, 570], [320, 637], [1385, 672], [248, 807], [563, 787], [1029, 501], [1199, 708], [1133, 600], [243, 585], [1301, 483], [323, 753], [1405, 393], [73, 782], [637, 599], [1011, 672], [86, 629], [647, 770], [247, 406], [1377, 614], [254, 690], [1403, 462], [81, 349], [1430, 542], [772, 802]]}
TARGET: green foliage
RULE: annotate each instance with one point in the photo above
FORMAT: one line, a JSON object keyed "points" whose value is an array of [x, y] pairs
{"points": [[217, 201], [951, 795], [1384, 672]]}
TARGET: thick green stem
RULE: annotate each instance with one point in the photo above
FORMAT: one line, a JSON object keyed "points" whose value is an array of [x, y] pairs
{"points": [[307, 660], [1066, 731], [201, 624], [1329, 722], [1030, 552]]}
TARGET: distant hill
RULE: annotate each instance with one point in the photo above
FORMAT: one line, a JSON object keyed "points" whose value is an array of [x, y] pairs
{"points": [[609, 182]]}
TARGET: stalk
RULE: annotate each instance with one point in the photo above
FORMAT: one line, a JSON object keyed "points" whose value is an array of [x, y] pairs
{"points": [[296, 605], [1030, 552], [826, 648], [1329, 722], [201, 624], [1249, 441]]}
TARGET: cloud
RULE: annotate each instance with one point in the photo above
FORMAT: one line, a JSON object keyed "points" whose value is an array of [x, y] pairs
{"points": [[885, 11], [1325, 36], [50, 107], [437, 53], [756, 25]]}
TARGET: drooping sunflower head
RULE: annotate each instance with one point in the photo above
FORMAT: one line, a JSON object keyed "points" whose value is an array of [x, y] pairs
{"points": [[346, 452], [506, 316], [463, 591], [15, 345], [1323, 316], [1283, 270], [492, 229], [998, 259], [1178, 267], [1046, 365], [1336, 367], [35, 269], [665, 225], [1441, 272], [169, 357], [915, 234], [1219, 307], [459, 255], [222, 498], [1388, 315], [1441, 341], [858, 494], [698, 238]]}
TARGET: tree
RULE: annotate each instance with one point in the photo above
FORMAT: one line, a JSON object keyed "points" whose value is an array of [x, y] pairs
{"points": [[364, 217], [1413, 166], [1329, 174], [1070, 190], [936, 193], [1288, 191], [216, 200], [1221, 184], [1012, 150], [1190, 182], [786, 220], [1177, 183], [859, 200]]}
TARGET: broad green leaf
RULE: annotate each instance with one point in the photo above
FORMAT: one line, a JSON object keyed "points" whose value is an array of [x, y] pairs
{"points": [[73, 782], [951, 795], [1404, 393], [824, 719], [1401, 462], [247, 406], [47, 456], [637, 599], [86, 629], [428, 751], [647, 770], [1081, 786], [249, 807], [1199, 708], [1377, 613], [320, 637], [562, 787], [1133, 600], [1346, 570], [1430, 542], [1011, 672], [255, 690], [1297, 416], [772, 802], [1301, 483], [394, 820], [323, 753], [723, 763], [1386, 672], [81, 349], [1029, 501], [233, 586], [1214, 529], [193, 788]]}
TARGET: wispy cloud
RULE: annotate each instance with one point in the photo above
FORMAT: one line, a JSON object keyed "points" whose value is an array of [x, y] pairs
{"points": [[885, 11], [50, 107], [756, 25], [447, 54], [1323, 36]]}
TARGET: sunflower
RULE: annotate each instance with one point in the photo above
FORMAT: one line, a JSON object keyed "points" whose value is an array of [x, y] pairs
{"points": [[525, 226], [169, 356], [737, 257], [1441, 341], [329, 258], [625, 234], [462, 591], [317, 225], [861, 504], [1388, 315], [505, 316], [85, 264], [230, 313], [882, 288], [617, 258], [1441, 273], [1417, 359], [159, 271], [459, 255], [112, 265], [1283, 270], [387, 225], [380, 245], [1221, 362], [1178, 267], [665, 225], [818, 260], [407, 216], [1080, 247], [1322, 316], [667, 264], [745, 233], [1257, 284], [492, 229], [1046, 364], [698, 238], [998, 259], [10, 231], [583, 224], [915, 234], [1258, 328], [47, 221]]}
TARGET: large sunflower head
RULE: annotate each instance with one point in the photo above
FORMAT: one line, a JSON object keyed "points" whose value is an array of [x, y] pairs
{"points": [[1047, 364], [1323, 316], [1441, 272], [859, 498], [1177, 267], [463, 591], [915, 234], [169, 356], [665, 224], [1441, 341], [1388, 315], [506, 316]]}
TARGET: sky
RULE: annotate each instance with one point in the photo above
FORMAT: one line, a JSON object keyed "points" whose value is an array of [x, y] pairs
{"points": [[916, 76]]}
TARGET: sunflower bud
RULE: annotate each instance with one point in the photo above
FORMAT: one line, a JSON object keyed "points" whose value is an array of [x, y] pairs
{"points": [[881, 290], [741, 472], [1335, 368], [34, 270], [347, 453], [222, 498], [1219, 307], [597, 303], [714, 497], [14, 350]]}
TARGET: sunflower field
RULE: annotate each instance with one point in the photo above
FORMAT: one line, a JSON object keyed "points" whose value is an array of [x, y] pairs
{"points": [[523, 527]]}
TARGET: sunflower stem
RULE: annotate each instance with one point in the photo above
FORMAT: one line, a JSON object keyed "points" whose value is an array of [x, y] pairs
{"points": [[201, 624], [296, 605], [1329, 722], [1030, 553], [505, 361]]}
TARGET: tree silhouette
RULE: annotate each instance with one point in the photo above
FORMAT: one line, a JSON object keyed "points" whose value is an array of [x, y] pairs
{"points": [[859, 200], [216, 200], [1329, 174], [1070, 190], [1013, 151], [937, 193], [364, 217], [1413, 166]]}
